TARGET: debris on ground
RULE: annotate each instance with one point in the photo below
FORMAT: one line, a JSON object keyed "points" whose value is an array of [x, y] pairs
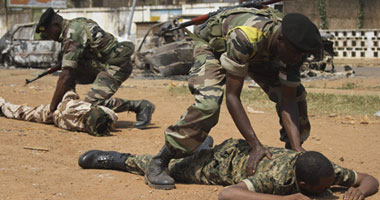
{"points": [[253, 111]]}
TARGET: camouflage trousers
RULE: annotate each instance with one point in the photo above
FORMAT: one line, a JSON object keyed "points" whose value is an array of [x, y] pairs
{"points": [[70, 113], [112, 73], [221, 165], [206, 83]]}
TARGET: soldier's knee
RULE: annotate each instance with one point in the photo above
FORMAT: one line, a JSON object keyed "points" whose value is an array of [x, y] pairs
{"points": [[127, 69], [211, 107]]}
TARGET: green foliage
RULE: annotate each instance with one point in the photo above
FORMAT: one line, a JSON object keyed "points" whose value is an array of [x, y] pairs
{"points": [[361, 14], [322, 14], [257, 98], [348, 86], [179, 90], [322, 103], [318, 103]]}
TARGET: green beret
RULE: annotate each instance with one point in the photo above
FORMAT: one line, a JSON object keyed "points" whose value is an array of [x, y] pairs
{"points": [[301, 32], [97, 122], [45, 20]]}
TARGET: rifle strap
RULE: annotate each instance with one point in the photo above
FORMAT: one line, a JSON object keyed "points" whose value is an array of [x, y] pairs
{"points": [[195, 37]]}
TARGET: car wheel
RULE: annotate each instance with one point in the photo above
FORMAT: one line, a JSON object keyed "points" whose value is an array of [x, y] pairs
{"points": [[7, 60]]}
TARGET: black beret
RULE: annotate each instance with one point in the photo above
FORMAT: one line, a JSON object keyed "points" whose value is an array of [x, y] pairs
{"points": [[45, 20], [301, 32]]}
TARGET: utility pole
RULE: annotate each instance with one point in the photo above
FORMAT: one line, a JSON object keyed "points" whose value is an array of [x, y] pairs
{"points": [[129, 25], [6, 13]]}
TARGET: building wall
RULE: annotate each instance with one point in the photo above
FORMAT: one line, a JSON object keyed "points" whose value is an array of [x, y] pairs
{"points": [[340, 14]]}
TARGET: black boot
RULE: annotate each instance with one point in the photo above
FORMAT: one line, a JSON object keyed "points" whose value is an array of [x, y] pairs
{"points": [[96, 159], [144, 110], [157, 174]]}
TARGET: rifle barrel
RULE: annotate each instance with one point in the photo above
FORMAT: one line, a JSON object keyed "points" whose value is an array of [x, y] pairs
{"points": [[48, 71]]}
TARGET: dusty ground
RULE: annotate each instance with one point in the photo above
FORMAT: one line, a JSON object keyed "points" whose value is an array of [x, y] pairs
{"points": [[55, 174]]}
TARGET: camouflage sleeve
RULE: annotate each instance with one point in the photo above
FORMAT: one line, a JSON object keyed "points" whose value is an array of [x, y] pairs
{"points": [[240, 49], [344, 177], [290, 76], [259, 184], [73, 44]]}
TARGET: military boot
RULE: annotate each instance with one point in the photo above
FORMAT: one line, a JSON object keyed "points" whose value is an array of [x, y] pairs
{"points": [[144, 110], [157, 173], [96, 159]]}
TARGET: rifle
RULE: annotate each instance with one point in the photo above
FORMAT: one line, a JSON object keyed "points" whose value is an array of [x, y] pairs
{"points": [[203, 18], [48, 71]]}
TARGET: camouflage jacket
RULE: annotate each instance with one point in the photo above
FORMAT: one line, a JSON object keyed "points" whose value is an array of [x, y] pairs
{"points": [[248, 35], [84, 39]]}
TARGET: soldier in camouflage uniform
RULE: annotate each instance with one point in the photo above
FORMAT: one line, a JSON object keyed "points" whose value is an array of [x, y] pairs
{"points": [[225, 165], [71, 114], [91, 55], [231, 45]]}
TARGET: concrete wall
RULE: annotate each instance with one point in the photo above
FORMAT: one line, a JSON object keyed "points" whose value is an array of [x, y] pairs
{"points": [[341, 14]]}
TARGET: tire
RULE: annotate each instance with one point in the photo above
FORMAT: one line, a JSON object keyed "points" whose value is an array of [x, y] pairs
{"points": [[7, 61]]}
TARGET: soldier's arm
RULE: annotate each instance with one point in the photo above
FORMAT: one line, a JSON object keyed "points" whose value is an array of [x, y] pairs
{"points": [[289, 113], [365, 185], [66, 82], [234, 86], [240, 191]]}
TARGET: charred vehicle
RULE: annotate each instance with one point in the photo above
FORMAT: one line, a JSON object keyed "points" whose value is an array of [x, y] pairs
{"points": [[22, 47], [323, 58], [165, 53]]}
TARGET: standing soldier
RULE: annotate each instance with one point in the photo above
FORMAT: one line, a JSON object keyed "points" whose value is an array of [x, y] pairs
{"points": [[91, 55], [231, 45]]}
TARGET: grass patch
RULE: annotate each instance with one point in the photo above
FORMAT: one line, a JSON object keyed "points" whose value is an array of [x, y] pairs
{"points": [[257, 98], [321, 103], [348, 86], [179, 90], [318, 103]]}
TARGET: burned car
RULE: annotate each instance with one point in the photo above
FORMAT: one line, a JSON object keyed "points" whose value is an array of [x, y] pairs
{"points": [[323, 58], [165, 53], [22, 47]]}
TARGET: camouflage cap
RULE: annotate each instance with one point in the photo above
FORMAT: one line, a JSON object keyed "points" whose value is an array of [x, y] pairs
{"points": [[97, 122], [45, 20], [301, 32]]}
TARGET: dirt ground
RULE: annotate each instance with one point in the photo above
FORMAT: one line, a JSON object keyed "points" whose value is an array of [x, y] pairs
{"points": [[54, 173]]}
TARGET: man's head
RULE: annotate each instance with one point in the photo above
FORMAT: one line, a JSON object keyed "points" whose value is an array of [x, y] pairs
{"points": [[49, 25], [98, 122], [297, 37], [314, 173]]}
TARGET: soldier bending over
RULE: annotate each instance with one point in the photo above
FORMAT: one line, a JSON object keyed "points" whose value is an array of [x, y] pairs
{"points": [[91, 55], [232, 45]]}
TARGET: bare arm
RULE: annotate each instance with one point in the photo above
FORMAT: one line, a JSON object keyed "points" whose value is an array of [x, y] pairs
{"points": [[289, 114], [365, 185], [234, 86], [66, 82], [240, 191]]}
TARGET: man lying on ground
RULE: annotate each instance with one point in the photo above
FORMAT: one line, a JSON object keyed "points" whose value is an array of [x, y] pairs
{"points": [[71, 114], [288, 175]]}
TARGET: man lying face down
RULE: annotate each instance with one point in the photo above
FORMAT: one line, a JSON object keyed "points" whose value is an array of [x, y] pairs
{"points": [[71, 114], [288, 175]]}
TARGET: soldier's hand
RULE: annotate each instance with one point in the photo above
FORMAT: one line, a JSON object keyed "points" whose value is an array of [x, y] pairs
{"points": [[255, 156], [297, 196], [50, 117], [353, 194]]}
